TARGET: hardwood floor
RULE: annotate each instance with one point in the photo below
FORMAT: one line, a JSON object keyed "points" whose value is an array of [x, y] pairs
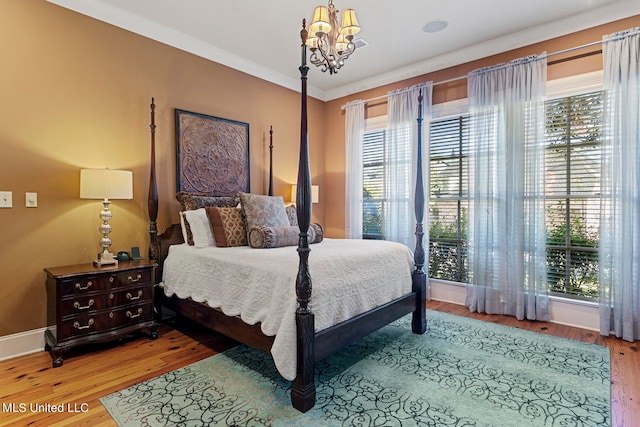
{"points": [[86, 376]]}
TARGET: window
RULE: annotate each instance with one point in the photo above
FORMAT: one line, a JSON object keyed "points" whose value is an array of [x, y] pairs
{"points": [[573, 150], [373, 202], [386, 209], [448, 198], [573, 156]]}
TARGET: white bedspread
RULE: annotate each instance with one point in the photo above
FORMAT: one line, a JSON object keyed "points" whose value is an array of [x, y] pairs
{"points": [[348, 278]]}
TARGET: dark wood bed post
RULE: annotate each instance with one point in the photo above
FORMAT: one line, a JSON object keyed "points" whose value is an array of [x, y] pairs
{"points": [[419, 278], [303, 391], [152, 204], [152, 200], [270, 192]]}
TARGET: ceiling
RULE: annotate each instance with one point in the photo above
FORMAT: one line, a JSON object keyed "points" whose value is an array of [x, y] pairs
{"points": [[261, 37]]}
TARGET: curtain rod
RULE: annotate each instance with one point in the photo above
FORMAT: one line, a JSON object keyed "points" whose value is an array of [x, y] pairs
{"points": [[453, 79]]}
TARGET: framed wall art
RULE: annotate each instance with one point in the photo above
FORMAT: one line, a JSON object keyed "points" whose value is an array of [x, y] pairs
{"points": [[212, 154]]}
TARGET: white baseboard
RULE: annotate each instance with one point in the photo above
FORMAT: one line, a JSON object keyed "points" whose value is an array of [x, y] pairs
{"points": [[563, 311], [581, 314], [22, 343]]}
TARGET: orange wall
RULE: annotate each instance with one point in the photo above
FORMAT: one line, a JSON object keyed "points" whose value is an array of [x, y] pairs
{"points": [[76, 94], [335, 145]]}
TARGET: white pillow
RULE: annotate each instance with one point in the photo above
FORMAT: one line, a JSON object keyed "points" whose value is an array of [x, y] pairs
{"points": [[200, 228]]}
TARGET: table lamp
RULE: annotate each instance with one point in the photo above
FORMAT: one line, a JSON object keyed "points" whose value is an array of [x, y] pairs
{"points": [[105, 184]]}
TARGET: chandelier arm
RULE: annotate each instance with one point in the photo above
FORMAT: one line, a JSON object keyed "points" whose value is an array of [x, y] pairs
{"points": [[322, 47], [317, 61], [351, 47], [331, 58]]}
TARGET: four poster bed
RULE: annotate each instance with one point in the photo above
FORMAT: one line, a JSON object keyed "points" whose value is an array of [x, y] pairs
{"points": [[349, 300]]}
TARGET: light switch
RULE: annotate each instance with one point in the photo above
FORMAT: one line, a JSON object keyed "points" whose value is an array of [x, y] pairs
{"points": [[6, 200], [31, 200]]}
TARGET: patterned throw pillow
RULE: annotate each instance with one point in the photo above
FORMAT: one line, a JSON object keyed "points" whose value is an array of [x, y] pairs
{"points": [[187, 236], [318, 232], [191, 201], [228, 226], [276, 237], [292, 214], [273, 237], [263, 211]]}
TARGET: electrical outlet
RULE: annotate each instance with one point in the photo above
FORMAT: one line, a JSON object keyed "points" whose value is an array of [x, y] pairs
{"points": [[6, 200], [31, 200]]}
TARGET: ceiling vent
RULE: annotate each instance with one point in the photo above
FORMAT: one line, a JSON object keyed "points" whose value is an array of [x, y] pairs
{"points": [[360, 43]]}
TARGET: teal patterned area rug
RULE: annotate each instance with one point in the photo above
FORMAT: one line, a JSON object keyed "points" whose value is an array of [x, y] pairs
{"points": [[461, 372]]}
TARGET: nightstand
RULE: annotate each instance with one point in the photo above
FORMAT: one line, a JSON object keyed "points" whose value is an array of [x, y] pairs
{"points": [[89, 304]]}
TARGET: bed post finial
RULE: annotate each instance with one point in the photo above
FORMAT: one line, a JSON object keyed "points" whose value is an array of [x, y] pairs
{"points": [[419, 278], [152, 199]]}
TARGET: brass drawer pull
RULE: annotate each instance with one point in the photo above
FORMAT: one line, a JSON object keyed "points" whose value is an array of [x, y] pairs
{"points": [[76, 304], [83, 288], [77, 325], [132, 280], [132, 298], [130, 315]]}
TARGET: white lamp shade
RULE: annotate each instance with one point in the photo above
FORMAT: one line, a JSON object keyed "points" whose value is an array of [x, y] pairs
{"points": [[349, 23], [315, 193], [106, 184], [320, 22]]}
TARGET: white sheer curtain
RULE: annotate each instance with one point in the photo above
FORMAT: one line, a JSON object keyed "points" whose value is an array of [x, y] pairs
{"points": [[620, 217], [400, 158], [354, 135], [507, 238]]}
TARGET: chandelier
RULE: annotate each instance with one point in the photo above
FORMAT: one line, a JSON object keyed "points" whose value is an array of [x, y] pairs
{"points": [[330, 45]]}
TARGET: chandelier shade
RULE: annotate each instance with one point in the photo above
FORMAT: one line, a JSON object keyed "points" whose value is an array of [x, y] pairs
{"points": [[320, 23], [350, 25], [331, 44]]}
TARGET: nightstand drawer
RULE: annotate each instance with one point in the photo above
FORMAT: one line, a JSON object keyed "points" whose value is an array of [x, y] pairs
{"points": [[105, 282], [80, 304], [84, 285], [132, 295], [105, 320], [131, 278]]}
